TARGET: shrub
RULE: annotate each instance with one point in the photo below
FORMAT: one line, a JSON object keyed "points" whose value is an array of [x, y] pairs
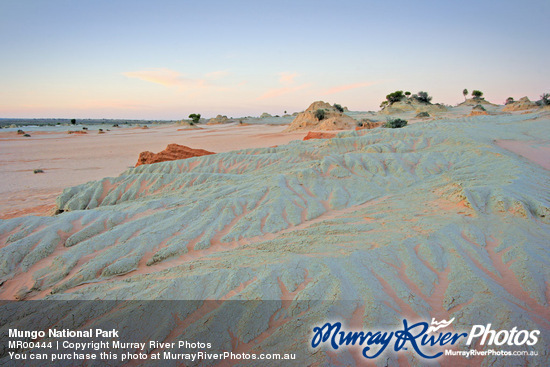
{"points": [[73, 121], [38, 170], [478, 108], [545, 99], [422, 97], [26, 135], [338, 107], [20, 132], [509, 100], [320, 114], [423, 115], [395, 123], [477, 94], [195, 117], [407, 93], [395, 96]]}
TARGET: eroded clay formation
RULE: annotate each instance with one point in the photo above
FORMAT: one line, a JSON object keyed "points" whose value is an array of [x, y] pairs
{"points": [[431, 220]]}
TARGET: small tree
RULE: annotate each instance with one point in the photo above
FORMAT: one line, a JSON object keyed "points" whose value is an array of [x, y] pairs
{"points": [[395, 96], [422, 97], [338, 107], [73, 121], [509, 100], [477, 94], [320, 114], [407, 93], [195, 117], [465, 93], [545, 99]]}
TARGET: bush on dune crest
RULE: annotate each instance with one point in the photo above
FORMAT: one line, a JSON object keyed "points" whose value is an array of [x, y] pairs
{"points": [[477, 94], [339, 107], [395, 96], [422, 97]]}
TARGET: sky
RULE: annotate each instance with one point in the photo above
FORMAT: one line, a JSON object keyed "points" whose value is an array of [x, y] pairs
{"points": [[167, 59]]}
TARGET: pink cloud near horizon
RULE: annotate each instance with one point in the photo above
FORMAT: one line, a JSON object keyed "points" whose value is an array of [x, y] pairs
{"points": [[277, 92], [165, 77], [217, 74], [287, 78], [342, 88]]}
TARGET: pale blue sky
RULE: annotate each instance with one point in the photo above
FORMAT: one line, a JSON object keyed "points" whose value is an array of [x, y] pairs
{"points": [[167, 59]]}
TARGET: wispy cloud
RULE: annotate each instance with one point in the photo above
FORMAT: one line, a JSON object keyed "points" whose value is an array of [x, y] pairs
{"points": [[217, 74], [342, 88], [288, 82], [287, 78], [277, 92], [166, 77]]}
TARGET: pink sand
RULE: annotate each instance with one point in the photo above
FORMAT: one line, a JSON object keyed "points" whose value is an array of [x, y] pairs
{"points": [[535, 151]]}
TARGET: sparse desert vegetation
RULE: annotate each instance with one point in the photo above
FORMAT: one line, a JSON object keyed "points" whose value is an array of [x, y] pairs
{"points": [[422, 97], [195, 118], [320, 114], [395, 123], [477, 94], [339, 107]]}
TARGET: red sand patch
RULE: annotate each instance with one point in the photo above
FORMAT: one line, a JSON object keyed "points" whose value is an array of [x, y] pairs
{"points": [[319, 135], [171, 153]]}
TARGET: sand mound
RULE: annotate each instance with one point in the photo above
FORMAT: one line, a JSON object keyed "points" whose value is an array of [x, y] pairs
{"points": [[475, 102], [478, 110], [319, 135], [218, 120], [333, 119], [171, 153], [398, 107], [431, 108], [411, 104], [521, 105]]}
